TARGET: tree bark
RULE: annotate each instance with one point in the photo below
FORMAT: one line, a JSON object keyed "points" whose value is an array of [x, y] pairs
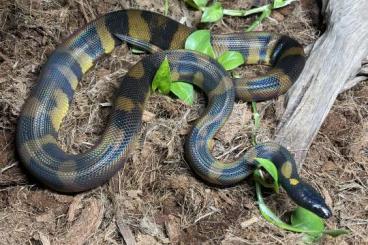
{"points": [[335, 58]]}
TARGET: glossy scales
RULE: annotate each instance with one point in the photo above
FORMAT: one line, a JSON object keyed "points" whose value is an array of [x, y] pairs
{"points": [[49, 101]]}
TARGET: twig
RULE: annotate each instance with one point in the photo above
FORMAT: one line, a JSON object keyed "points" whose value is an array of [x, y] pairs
{"points": [[215, 210], [229, 151], [8, 167], [126, 233]]}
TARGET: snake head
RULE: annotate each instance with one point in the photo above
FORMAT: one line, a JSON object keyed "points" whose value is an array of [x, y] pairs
{"points": [[307, 197], [299, 191]]}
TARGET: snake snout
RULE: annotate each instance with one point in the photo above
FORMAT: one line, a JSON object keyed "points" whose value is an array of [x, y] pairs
{"points": [[307, 197]]}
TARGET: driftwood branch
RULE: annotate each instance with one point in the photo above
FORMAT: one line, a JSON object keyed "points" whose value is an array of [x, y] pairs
{"points": [[335, 58]]}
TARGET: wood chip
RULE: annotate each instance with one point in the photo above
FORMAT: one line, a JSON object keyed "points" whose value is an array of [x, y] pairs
{"points": [[126, 233], [172, 226]]}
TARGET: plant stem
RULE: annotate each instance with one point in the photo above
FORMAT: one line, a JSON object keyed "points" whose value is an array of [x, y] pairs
{"points": [[240, 12], [272, 217], [243, 12], [257, 22], [166, 7]]}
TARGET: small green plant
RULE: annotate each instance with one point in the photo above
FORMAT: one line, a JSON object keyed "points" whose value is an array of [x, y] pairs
{"points": [[302, 220], [198, 41], [215, 11], [164, 84]]}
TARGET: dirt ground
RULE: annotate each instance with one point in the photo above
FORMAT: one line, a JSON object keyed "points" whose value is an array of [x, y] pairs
{"points": [[156, 199]]}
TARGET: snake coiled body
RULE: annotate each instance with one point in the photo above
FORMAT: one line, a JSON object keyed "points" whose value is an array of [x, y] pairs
{"points": [[49, 101]]}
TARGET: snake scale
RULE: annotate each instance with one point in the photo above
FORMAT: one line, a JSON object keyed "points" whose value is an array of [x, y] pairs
{"points": [[50, 98]]}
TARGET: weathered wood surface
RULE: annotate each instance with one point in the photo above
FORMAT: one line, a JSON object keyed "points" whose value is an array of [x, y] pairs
{"points": [[335, 59]]}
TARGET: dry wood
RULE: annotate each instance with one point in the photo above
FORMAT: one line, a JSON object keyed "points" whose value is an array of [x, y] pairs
{"points": [[127, 233], [336, 56]]}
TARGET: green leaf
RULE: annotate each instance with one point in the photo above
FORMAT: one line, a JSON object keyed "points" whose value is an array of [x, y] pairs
{"points": [[200, 41], [162, 79], [271, 169], [281, 3], [184, 91], [277, 3], [302, 220], [231, 60], [201, 3], [271, 216], [197, 4], [212, 13], [307, 220]]}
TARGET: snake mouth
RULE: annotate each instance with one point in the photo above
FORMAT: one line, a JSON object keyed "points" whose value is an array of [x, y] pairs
{"points": [[322, 211], [307, 197]]}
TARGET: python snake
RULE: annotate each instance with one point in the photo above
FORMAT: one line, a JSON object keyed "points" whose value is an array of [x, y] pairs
{"points": [[50, 99]]}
